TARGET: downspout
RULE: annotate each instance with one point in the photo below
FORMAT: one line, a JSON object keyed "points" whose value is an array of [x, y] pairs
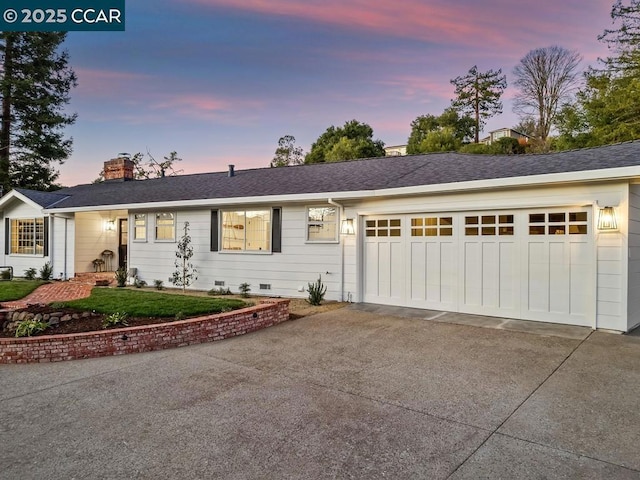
{"points": [[341, 207], [52, 257], [65, 248]]}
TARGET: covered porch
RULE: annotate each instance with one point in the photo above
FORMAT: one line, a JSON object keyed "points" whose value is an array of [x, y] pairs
{"points": [[101, 241]]}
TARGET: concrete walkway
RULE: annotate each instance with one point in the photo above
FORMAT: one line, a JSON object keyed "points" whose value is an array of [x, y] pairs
{"points": [[52, 292], [343, 394]]}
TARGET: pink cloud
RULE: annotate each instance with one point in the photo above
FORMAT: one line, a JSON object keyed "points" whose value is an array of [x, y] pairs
{"points": [[106, 83], [434, 21]]}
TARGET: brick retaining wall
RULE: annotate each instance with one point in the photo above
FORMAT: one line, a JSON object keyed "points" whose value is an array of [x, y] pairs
{"points": [[54, 348]]}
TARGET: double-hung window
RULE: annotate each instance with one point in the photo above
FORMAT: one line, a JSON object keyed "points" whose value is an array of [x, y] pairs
{"points": [[140, 227], [165, 226], [246, 230], [27, 236], [322, 224]]}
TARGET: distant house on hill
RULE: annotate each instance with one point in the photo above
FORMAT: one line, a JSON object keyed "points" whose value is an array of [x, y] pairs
{"points": [[496, 135], [395, 150]]}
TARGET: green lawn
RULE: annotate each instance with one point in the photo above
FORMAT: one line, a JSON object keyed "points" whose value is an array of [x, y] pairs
{"points": [[17, 289], [136, 303]]}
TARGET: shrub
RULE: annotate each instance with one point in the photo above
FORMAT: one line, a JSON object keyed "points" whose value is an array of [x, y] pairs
{"points": [[180, 316], [26, 328], [244, 289], [158, 284], [30, 273], [220, 291], [139, 283], [116, 318], [316, 292], [46, 271], [121, 277]]}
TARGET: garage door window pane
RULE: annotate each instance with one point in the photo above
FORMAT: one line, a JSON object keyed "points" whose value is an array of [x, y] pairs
{"points": [[488, 230], [471, 231], [556, 217], [536, 218], [536, 230], [488, 219], [416, 222], [371, 223], [505, 219], [578, 216], [394, 232], [394, 222], [505, 230], [446, 232], [577, 229], [431, 232], [416, 232], [431, 221], [470, 220], [383, 223], [446, 221]]}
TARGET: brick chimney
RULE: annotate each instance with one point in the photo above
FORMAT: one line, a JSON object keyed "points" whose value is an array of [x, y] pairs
{"points": [[120, 168]]}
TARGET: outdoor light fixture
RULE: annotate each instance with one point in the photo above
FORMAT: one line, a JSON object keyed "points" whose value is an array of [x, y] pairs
{"points": [[607, 219], [347, 227], [110, 225]]}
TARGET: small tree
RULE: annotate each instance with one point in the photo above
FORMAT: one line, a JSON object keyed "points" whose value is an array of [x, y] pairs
{"points": [[287, 153], [185, 273]]}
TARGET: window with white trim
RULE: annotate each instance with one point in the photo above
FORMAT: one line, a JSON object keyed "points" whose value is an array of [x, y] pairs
{"points": [[165, 226], [140, 227], [27, 236], [322, 224], [246, 231]]}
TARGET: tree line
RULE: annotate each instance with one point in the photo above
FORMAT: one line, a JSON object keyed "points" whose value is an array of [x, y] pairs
{"points": [[558, 106]]}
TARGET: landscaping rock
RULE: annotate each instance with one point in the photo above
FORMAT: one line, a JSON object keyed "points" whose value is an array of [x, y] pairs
{"points": [[38, 317], [22, 315], [53, 321], [66, 318]]}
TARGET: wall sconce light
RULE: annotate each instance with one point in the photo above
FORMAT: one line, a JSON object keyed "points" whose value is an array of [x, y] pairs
{"points": [[347, 227], [607, 219], [110, 225]]}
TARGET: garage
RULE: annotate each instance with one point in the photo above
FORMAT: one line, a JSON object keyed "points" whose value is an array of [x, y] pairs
{"points": [[525, 264]]}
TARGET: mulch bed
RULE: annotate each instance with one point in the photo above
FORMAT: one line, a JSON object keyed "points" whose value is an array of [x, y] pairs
{"points": [[89, 323]]}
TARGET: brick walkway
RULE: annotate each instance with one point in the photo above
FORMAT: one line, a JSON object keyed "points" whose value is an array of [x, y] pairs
{"points": [[52, 292]]}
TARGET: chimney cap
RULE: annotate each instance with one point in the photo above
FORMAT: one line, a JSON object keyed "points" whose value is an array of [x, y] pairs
{"points": [[124, 155], [231, 172]]}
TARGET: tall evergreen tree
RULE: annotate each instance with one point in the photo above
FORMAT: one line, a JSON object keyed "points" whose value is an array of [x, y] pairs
{"points": [[35, 81], [478, 94]]}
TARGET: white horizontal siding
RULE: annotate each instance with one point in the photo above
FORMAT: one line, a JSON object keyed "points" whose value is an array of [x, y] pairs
{"points": [[299, 263]]}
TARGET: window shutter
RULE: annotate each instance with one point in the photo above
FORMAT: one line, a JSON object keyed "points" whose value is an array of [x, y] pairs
{"points": [[46, 236], [214, 231], [276, 230], [6, 236]]}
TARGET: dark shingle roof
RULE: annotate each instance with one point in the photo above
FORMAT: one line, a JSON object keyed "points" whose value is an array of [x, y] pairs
{"points": [[44, 199], [356, 175]]}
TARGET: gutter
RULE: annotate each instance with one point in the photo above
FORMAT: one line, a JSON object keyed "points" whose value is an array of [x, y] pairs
{"points": [[341, 207]]}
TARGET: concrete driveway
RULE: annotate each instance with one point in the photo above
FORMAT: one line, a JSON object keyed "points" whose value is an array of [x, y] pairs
{"points": [[343, 394]]}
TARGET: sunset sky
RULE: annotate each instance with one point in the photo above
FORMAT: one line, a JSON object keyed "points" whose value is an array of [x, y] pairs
{"points": [[220, 81]]}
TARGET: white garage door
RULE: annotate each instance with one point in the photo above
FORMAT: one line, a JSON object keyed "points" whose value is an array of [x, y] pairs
{"points": [[523, 264]]}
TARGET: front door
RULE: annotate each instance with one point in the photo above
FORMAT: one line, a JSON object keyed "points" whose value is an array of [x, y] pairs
{"points": [[123, 236]]}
